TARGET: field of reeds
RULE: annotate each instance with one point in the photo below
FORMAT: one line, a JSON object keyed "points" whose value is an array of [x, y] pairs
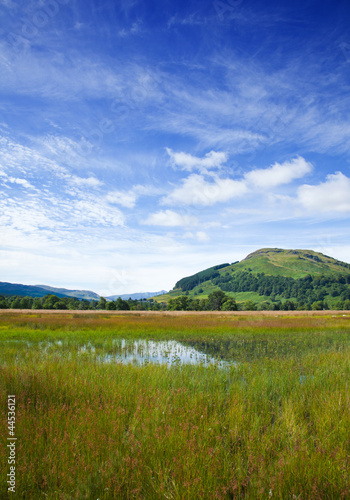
{"points": [[272, 422]]}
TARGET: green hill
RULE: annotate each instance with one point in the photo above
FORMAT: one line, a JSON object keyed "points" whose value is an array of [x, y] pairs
{"points": [[271, 274], [292, 263]]}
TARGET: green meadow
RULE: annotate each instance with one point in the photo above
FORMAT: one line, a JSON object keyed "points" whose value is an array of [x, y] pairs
{"points": [[273, 422]]}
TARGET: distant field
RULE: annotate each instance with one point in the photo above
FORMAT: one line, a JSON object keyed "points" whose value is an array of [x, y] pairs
{"points": [[273, 422]]}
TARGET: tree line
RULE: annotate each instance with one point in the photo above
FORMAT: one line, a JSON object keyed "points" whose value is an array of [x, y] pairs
{"points": [[216, 301], [51, 301], [220, 301]]}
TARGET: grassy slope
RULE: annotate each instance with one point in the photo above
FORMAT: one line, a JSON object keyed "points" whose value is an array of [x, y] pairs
{"points": [[207, 289], [291, 263], [271, 261]]}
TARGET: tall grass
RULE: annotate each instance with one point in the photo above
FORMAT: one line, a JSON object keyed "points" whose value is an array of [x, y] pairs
{"points": [[268, 428]]}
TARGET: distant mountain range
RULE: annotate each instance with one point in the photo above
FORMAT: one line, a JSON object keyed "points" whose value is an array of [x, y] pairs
{"points": [[136, 296], [79, 294], [8, 289]]}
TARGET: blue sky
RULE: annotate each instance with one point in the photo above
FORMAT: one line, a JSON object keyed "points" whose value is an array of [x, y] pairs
{"points": [[143, 141]]}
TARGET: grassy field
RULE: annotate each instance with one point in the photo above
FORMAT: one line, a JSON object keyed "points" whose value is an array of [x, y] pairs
{"points": [[272, 424]]}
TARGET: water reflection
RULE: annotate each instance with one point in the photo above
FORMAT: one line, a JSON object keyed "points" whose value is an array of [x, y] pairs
{"points": [[141, 352], [126, 351]]}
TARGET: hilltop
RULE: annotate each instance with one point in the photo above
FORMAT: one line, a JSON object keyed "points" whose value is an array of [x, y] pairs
{"points": [[271, 274], [292, 263]]}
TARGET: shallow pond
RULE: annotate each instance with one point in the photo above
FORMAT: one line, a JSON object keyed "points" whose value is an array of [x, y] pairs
{"points": [[141, 352], [126, 351]]}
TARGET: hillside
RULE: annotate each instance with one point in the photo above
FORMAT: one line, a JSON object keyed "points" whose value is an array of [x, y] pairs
{"points": [[271, 274], [79, 294], [11, 289]]}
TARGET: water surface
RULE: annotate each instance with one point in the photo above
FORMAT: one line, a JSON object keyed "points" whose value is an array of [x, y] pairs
{"points": [[141, 352]]}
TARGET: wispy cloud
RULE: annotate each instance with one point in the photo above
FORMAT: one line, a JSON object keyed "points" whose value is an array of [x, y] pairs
{"points": [[62, 200], [200, 236], [251, 109], [134, 29], [7, 179], [85, 181], [124, 198], [171, 219]]}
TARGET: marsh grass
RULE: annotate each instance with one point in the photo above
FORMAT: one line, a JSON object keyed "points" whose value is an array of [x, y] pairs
{"points": [[270, 427]]}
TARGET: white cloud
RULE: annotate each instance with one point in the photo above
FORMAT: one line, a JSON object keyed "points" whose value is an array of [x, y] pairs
{"points": [[94, 211], [170, 218], [85, 182], [278, 173], [21, 182], [333, 195], [197, 191], [128, 198], [16, 180], [147, 190], [202, 236], [188, 162], [124, 198]]}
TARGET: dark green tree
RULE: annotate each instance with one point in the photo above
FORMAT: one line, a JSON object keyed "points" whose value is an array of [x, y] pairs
{"points": [[50, 301], [60, 305], [229, 305], [101, 303], [249, 305], [181, 303], [37, 303], [16, 303], [111, 306], [3, 303], [122, 305], [26, 302], [216, 300]]}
